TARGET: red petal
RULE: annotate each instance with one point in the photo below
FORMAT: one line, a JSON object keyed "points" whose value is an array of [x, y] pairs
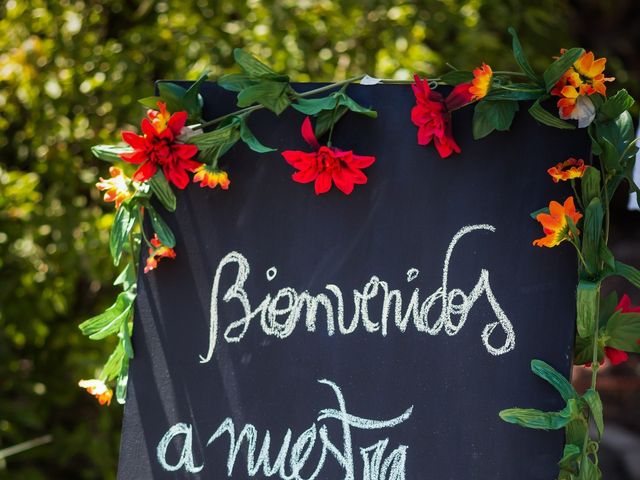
{"points": [[362, 161], [176, 175], [145, 172], [136, 141], [343, 181], [135, 157], [323, 183], [305, 176], [190, 165], [308, 135], [616, 356], [298, 159], [459, 97], [176, 122], [184, 151], [148, 129]]}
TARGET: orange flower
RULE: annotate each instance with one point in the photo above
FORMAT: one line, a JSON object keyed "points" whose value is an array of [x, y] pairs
{"points": [[156, 253], [211, 177], [555, 225], [159, 118], [575, 106], [592, 71], [570, 168], [481, 82], [98, 389], [116, 188]]}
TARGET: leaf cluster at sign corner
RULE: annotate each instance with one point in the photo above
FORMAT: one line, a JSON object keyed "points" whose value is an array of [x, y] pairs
{"points": [[178, 98], [490, 115], [259, 84]]}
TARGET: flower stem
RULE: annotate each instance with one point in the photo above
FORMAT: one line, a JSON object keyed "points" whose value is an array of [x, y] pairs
{"points": [[260, 107]]}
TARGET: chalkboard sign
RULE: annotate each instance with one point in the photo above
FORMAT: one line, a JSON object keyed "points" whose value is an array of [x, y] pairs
{"points": [[374, 336]]}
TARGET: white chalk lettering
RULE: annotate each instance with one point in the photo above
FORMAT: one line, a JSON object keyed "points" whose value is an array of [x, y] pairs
{"points": [[281, 313]]}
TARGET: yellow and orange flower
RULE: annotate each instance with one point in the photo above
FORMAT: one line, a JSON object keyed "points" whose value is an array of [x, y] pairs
{"points": [[555, 225], [211, 177], [157, 252], [116, 188], [584, 78], [570, 168], [159, 118], [98, 389], [481, 82]]}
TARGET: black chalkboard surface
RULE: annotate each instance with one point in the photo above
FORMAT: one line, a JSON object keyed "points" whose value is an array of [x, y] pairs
{"points": [[333, 391]]}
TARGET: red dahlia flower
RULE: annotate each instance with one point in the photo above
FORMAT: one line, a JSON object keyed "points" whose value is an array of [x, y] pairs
{"points": [[327, 164], [614, 355], [159, 147], [432, 116]]}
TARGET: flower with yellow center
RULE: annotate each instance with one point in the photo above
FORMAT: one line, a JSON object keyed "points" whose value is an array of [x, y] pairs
{"points": [[211, 177], [98, 389], [116, 188], [159, 118], [555, 225], [567, 170], [481, 82]]}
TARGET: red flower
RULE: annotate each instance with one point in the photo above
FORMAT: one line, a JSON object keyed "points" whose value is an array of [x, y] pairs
{"points": [[432, 116], [614, 355], [157, 253], [158, 147], [327, 164]]}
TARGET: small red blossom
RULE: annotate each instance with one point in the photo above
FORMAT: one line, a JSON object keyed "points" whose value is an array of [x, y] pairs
{"points": [[614, 355], [327, 165], [159, 147], [432, 116], [157, 253]]}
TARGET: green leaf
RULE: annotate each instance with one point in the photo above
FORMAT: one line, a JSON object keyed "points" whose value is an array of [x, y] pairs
{"points": [[112, 367], [109, 321], [216, 138], [123, 378], [127, 277], [521, 58], [553, 73], [538, 212], [251, 64], [630, 273], [192, 100], [538, 112], [623, 330], [606, 256], [592, 234], [247, 137], [576, 432], [272, 95], [590, 185], [592, 398], [587, 305], [150, 102], [610, 157], [515, 91], [125, 337], [173, 96], [165, 235], [354, 106], [588, 470], [555, 378], [456, 77], [569, 456], [313, 106], [614, 106], [122, 225], [236, 82], [621, 133], [109, 153], [326, 118], [162, 190], [537, 419], [482, 123]]}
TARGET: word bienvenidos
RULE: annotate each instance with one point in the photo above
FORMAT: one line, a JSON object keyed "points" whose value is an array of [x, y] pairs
{"points": [[281, 313]]}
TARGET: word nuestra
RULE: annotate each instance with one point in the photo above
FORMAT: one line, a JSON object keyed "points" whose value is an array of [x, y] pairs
{"points": [[281, 313], [376, 466]]}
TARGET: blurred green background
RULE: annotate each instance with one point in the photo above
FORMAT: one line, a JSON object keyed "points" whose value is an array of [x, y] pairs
{"points": [[70, 72]]}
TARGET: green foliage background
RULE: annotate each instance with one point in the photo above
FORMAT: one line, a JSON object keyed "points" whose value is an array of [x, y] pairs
{"points": [[70, 72]]}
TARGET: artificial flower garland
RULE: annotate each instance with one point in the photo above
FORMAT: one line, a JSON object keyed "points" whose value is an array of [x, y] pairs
{"points": [[174, 143]]}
